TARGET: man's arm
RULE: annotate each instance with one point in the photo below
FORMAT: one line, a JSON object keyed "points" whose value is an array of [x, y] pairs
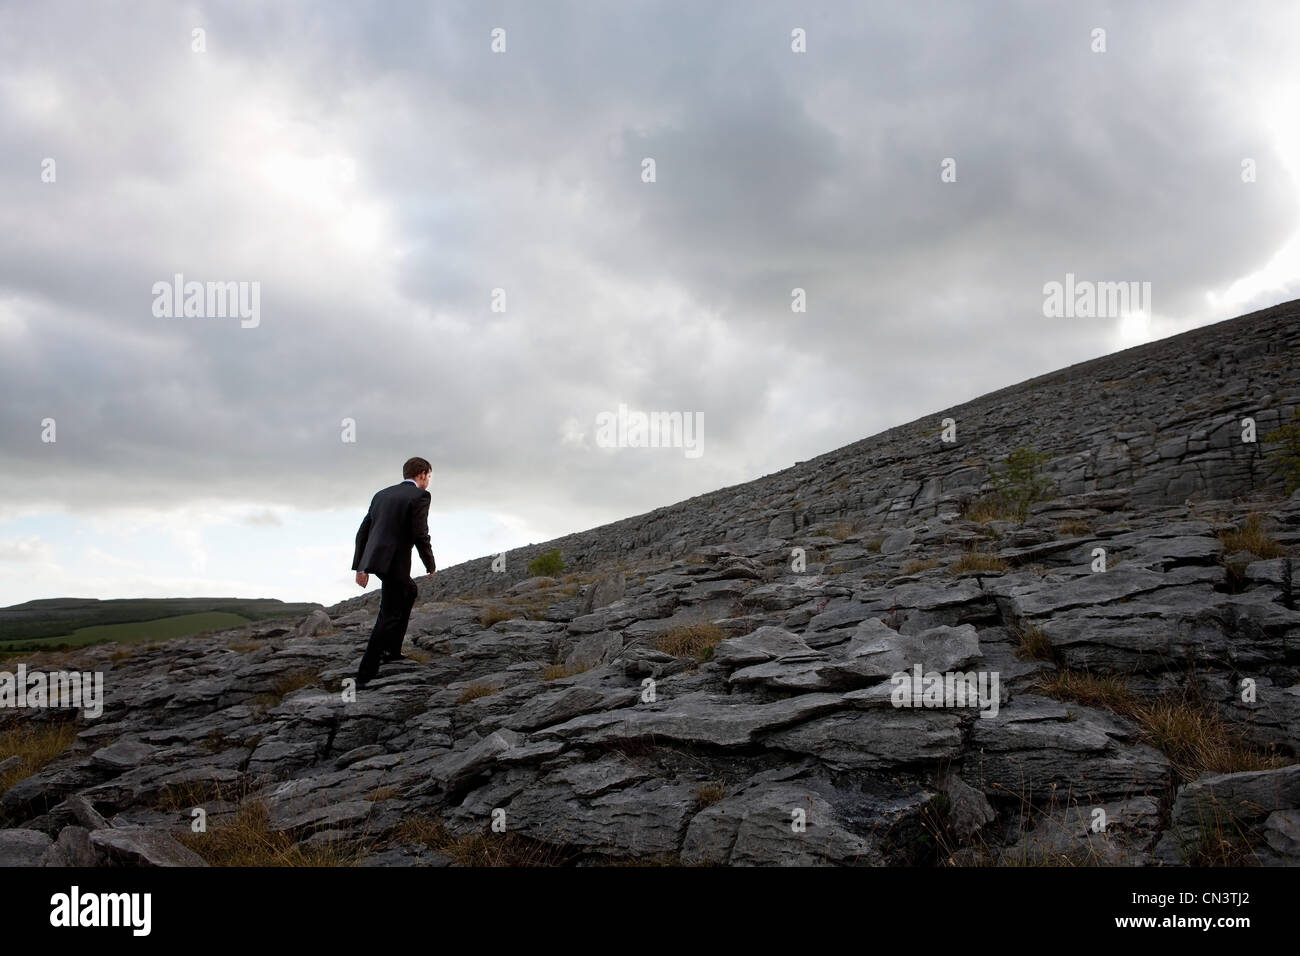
{"points": [[363, 534], [420, 530]]}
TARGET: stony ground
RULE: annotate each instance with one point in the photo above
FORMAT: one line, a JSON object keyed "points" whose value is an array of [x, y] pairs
{"points": [[712, 683]]}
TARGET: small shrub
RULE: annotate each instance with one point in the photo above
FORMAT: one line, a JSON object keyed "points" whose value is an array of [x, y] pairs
{"points": [[547, 564], [1021, 481], [1074, 529]]}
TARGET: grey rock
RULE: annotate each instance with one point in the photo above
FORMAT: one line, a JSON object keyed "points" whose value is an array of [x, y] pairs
{"points": [[897, 541], [1282, 831], [143, 848], [642, 820], [1035, 746], [83, 811], [695, 718], [878, 651], [1217, 799], [875, 739], [968, 809], [123, 754], [759, 646], [72, 848], [21, 847], [566, 703], [761, 826], [593, 649], [455, 769], [314, 624], [605, 591]]}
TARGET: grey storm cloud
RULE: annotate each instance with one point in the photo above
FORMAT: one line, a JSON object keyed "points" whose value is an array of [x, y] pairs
{"points": [[379, 172]]}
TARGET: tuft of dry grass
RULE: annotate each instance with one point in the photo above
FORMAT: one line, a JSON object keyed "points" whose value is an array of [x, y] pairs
{"points": [[244, 645], [710, 793], [917, 565], [383, 793], [282, 686], [988, 508], [1252, 537], [1195, 739], [494, 615], [1073, 529], [291, 681], [874, 544], [842, 529], [977, 561], [187, 795], [247, 840], [1089, 689], [1199, 741], [559, 671], [691, 640], [1034, 645], [419, 655], [476, 690], [35, 744], [479, 849]]}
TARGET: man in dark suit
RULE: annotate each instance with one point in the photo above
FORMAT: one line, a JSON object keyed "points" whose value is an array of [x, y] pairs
{"points": [[398, 520]]}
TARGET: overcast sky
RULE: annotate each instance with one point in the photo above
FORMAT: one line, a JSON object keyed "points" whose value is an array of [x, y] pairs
{"points": [[378, 170]]}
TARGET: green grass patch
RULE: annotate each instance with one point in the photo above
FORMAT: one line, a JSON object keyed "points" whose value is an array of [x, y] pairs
{"points": [[162, 629]]}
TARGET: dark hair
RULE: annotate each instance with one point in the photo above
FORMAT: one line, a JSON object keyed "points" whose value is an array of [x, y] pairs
{"points": [[415, 466]]}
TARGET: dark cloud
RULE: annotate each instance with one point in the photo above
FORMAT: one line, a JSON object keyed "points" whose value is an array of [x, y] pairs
{"points": [[379, 172]]}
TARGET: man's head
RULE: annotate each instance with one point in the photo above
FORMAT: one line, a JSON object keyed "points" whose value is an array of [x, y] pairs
{"points": [[419, 471]]}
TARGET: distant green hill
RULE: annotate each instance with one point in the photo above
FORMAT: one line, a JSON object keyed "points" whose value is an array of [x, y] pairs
{"points": [[54, 622]]}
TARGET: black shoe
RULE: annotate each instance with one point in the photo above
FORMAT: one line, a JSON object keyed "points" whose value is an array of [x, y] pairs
{"points": [[393, 658], [363, 680]]}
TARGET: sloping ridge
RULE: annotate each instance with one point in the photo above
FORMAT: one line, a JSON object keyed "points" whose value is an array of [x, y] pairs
{"points": [[1160, 419]]}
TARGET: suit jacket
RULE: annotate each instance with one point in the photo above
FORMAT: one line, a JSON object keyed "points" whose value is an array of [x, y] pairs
{"points": [[398, 520]]}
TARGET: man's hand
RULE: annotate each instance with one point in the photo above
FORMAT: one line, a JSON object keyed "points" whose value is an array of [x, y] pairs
{"points": [[432, 573], [362, 578]]}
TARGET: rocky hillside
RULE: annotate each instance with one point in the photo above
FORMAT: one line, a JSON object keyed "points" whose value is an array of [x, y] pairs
{"points": [[757, 675]]}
